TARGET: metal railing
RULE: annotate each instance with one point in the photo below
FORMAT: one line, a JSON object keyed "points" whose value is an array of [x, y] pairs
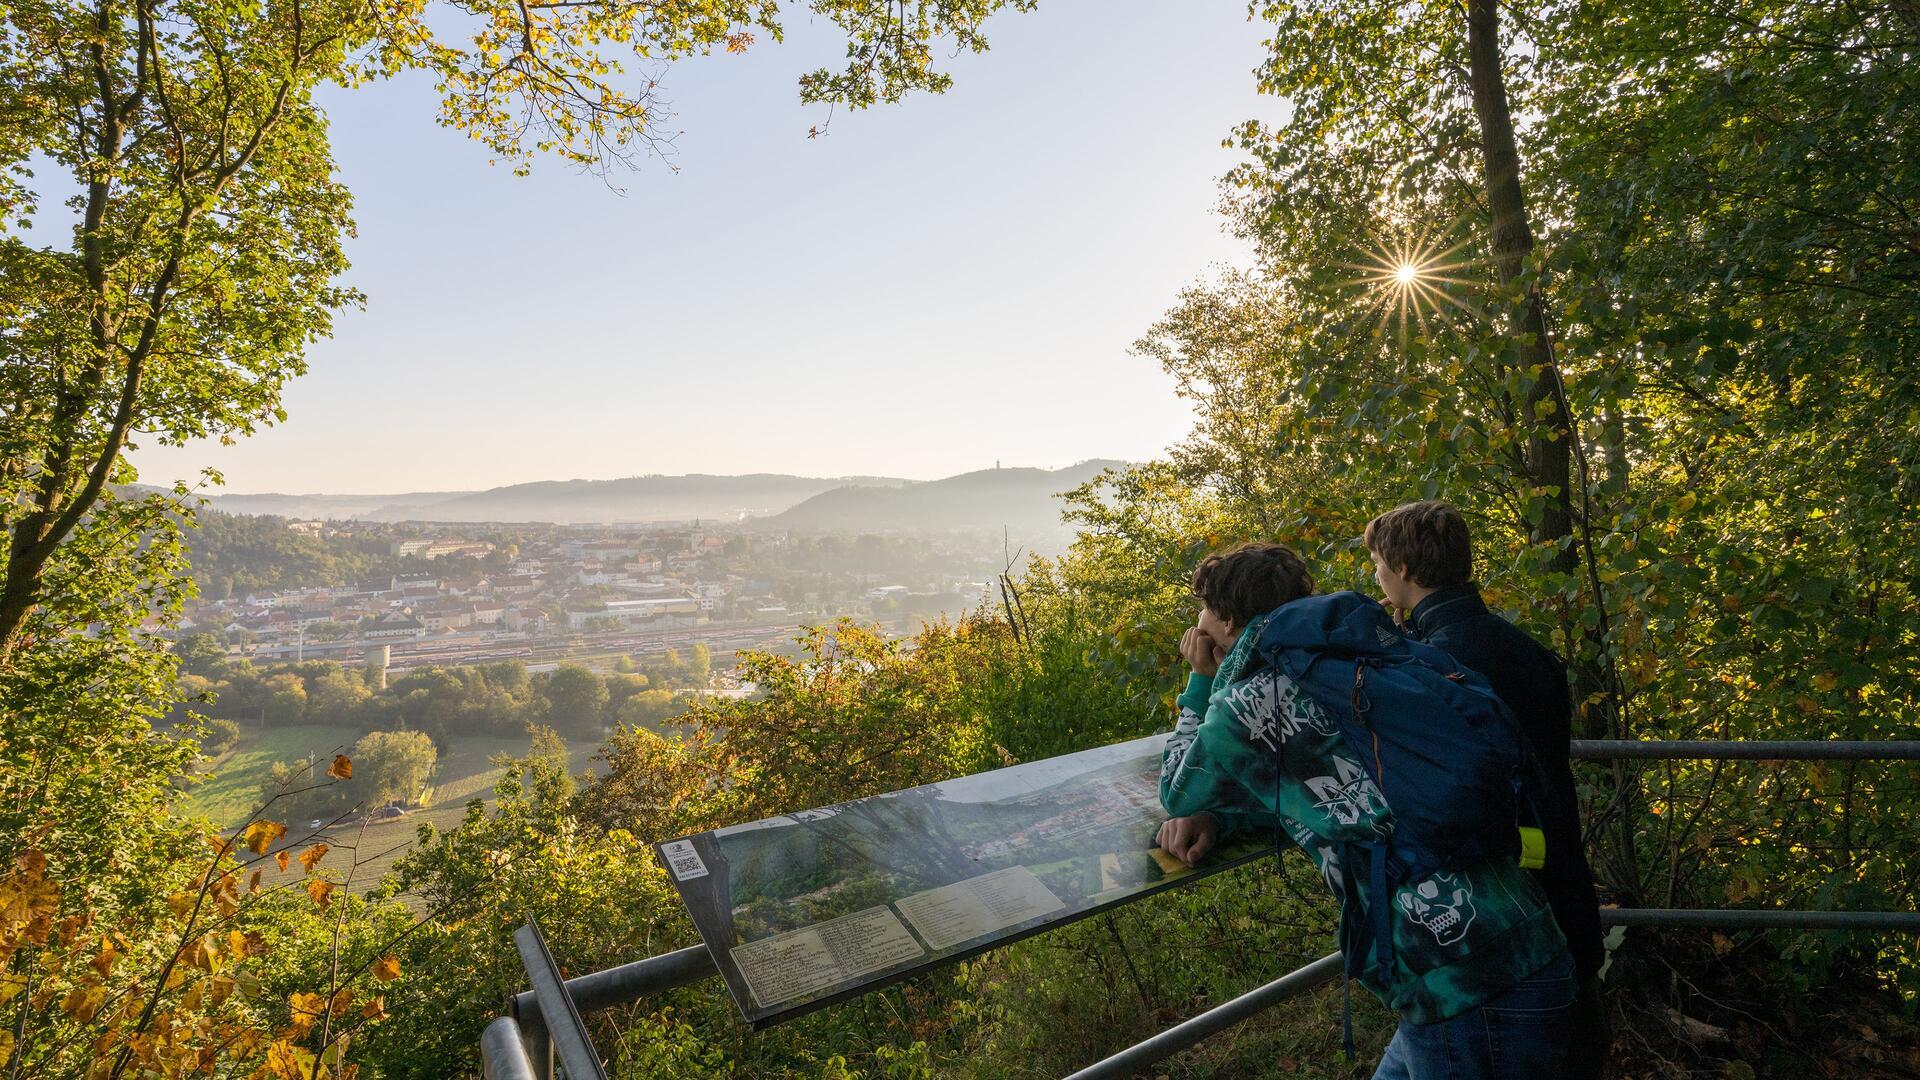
{"points": [[546, 1021]]}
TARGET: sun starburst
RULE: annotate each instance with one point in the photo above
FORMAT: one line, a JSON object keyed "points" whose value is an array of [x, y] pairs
{"points": [[1409, 277]]}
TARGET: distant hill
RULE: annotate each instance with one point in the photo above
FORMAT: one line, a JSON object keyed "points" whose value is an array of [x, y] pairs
{"points": [[1021, 501], [323, 506], [635, 498]]}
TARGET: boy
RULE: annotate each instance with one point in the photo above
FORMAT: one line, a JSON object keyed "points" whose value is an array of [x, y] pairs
{"points": [[1423, 561], [1481, 978]]}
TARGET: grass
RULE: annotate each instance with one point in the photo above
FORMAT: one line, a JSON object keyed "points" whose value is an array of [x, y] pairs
{"points": [[233, 788], [463, 773]]}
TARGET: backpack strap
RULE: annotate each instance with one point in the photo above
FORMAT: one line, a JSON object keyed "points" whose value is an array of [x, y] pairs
{"points": [[1380, 909]]}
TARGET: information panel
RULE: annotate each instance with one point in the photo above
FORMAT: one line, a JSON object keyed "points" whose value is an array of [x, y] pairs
{"points": [[810, 908]]}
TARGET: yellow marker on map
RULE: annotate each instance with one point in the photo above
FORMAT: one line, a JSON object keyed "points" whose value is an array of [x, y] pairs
{"points": [[1168, 864]]}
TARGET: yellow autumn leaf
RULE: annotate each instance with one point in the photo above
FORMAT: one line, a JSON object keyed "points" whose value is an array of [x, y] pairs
{"points": [[27, 895], [103, 960], [388, 969], [204, 953], [320, 889], [82, 1002], [283, 858], [342, 1001], [375, 1009], [342, 767], [245, 1044], [261, 835], [307, 1009], [11, 986], [312, 856], [286, 1061]]}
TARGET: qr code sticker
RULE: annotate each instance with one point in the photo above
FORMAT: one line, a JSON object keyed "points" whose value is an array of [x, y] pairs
{"points": [[683, 860]]}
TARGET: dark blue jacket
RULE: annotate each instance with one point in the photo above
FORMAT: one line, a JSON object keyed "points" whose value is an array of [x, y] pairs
{"points": [[1533, 683]]}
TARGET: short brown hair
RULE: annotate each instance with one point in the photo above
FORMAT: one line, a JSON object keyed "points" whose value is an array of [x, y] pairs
{"points": [[1426, 541], [1245, 582]]}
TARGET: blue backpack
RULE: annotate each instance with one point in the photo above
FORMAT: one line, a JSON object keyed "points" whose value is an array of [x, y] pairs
{"points": [[1447, 755]]}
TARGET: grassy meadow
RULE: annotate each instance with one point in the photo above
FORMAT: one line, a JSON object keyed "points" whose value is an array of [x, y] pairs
{"points": [[227, 791]]}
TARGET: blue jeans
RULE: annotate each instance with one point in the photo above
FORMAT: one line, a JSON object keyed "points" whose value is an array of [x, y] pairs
{"points": [[1521, 1034]]}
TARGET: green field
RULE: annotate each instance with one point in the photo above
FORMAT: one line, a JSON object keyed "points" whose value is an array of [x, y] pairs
{"points": [[463, 773], [233, 788]]}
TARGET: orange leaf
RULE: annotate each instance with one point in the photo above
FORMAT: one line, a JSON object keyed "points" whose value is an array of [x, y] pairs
{"points": [[342, 767], [283, 858], [375, 1009], [388, 969], [262, 834], [312, 856], [320, 889]]}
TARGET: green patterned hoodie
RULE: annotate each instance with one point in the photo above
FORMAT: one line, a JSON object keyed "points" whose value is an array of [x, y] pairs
{"points": [[1253, 750]]}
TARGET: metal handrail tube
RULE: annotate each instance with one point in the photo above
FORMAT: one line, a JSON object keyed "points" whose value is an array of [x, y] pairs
{"points": [[1752, 919], [630, 982], [561, 1019], [1190, 1032], [1746, 749], [1214, 1020], [503, 1055]]}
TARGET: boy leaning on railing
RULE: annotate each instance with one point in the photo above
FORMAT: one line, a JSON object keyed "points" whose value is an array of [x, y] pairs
{"points": [[1313, 716]]}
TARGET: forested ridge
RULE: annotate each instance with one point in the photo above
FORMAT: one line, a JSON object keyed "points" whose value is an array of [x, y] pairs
{"points": [[1656, 334], [235, 554]]}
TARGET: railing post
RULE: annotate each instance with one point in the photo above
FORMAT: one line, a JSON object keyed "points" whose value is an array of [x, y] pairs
{"points": [[503, 1053], [565, 1031]]}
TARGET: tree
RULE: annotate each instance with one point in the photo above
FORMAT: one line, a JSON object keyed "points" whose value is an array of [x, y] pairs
{"points": [[335, 697], [647, 708], [285, 699], [1730, 302], [208, 243], [202, 654], [220, 736], [574, 699], [390, 766]]}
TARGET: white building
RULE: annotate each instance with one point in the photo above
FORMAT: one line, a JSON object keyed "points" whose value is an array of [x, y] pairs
{"points": [[631, 612]]}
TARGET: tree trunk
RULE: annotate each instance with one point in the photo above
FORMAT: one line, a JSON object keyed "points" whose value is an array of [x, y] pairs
{"points": [[1548, 461]]}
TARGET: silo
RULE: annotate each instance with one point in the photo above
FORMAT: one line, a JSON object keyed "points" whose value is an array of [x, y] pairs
{"points": [[378, 657]]}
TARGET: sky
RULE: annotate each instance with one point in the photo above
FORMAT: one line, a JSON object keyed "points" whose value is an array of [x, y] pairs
{"points": [[929, 289]]}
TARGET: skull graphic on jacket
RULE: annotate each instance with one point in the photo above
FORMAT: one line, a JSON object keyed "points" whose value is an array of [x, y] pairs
{"points": [[1443, 904]]}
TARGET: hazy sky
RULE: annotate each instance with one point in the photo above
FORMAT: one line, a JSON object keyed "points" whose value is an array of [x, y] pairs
{"points": [[931, 287]]}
